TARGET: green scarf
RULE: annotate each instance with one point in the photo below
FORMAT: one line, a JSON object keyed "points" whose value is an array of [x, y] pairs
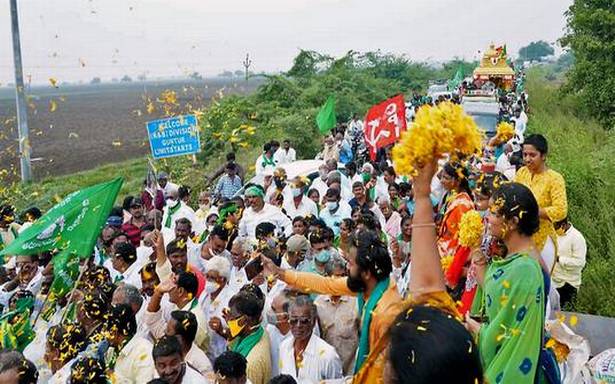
{"points": [[510, 340], [267, 161], [244, 345], [366, 309], [172, 211]]}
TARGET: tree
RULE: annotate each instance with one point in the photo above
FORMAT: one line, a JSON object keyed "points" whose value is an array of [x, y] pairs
{"points": [[226, 74], [95, 80], [195, 76], [126, 79], [535, 51], [142, 77], [591, 36]]}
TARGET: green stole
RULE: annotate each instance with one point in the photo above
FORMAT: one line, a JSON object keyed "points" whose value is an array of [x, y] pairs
{"points": [[244, 345], [172, 211], [366, 309], [267, 161]]}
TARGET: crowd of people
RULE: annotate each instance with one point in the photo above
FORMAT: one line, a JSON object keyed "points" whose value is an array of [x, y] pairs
{"points": [[358, 275]]}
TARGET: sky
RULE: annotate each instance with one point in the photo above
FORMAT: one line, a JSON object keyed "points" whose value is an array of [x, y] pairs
{"points": [[76, 40]]}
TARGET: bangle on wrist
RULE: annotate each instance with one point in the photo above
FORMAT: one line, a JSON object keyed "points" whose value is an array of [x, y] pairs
{"points": [[424, 225]]}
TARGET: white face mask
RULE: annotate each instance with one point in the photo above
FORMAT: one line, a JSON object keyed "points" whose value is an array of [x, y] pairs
{"points": [[171, 202], [211, 287], [204, 207], [332, 206], [296, 192]]}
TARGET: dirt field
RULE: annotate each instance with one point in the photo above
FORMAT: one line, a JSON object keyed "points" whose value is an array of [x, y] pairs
{"points": [[93, 124]]}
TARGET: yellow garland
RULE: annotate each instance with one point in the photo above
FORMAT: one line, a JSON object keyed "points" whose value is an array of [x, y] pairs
{"points": [[436, 131], [471, 229], [505, 132], [446, 262]]}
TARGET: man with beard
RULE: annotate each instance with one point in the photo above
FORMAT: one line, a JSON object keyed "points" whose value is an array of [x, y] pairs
{"points": [[378, 300], [170, 364]]}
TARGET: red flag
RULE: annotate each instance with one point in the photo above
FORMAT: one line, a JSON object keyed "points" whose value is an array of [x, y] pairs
{"points": [[384, 123]]}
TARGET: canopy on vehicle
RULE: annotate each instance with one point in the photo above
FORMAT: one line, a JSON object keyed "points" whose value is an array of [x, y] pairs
{"points": [[494, 68]]}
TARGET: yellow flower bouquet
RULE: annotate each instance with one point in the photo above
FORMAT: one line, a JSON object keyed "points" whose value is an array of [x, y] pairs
{"points": [[435, 132], [505, 131], [471, 229]]}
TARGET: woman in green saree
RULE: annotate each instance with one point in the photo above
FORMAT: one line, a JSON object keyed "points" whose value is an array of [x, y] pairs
{"points": [[510, 339]]}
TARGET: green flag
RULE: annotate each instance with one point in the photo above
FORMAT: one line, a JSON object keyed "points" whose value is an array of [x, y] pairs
{"points": [[15, 328], [326, 116], [456, 81], [65, 273], [71, 226]]}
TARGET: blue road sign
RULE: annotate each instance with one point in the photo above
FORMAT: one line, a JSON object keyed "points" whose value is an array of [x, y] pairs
{"points": [[174, 136]]}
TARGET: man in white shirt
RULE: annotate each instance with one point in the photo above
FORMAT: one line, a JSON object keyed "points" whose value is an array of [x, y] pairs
{"points": [[320, 183], [260, 212], [503, 164], [305, 356], [29, 277], [571, 250], [183, 325], [265, 161], [131, 296], [278, 327], [215, 298], [176, 209], [300, 205], [166, 185], [124, 261], [170, 365], [335, 210], [285, 154], [133, 362], [182, 291], [520, 119]]}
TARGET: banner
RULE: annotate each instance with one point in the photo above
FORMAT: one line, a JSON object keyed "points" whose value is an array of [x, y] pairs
{"points": [[384, 123], [72, 226]]}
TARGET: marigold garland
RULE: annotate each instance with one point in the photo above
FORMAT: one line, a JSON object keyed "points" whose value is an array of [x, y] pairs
{"points": [[436, 131], [505, 131], [446, 262], [471, 229]]}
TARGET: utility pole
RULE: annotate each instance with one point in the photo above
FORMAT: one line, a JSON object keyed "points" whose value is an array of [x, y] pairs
{"points": [[20, 99], [246, 63]]}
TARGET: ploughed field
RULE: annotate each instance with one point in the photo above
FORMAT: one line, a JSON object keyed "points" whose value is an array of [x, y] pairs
{"points": [[75, 128]]}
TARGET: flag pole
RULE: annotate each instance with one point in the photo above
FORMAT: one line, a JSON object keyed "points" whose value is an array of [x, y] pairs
{"points": [[42, 308], [72, 291]]}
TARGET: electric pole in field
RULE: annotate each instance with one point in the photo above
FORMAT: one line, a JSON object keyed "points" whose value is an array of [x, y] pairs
{"points": [[20, 99], [246, 64]]}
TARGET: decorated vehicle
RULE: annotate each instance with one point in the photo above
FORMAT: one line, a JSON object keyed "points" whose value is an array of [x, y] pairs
{"points": [[494, 70]]}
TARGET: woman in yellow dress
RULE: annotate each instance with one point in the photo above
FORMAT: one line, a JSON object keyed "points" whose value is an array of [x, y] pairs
{"points": [[549, 189]]}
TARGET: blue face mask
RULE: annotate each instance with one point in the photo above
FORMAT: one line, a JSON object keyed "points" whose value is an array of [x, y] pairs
{"points": [[483, 213], [472, 184]]}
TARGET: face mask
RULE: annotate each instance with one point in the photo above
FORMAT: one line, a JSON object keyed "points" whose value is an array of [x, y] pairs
{"points": [[483, 213], [171, 202], [472, 184], [560, 231], [210, 227], [212, 252], [332, 206], [271, 317], [323, 175], [211, 287], [296, 192], [204, 207], [234, 327]]}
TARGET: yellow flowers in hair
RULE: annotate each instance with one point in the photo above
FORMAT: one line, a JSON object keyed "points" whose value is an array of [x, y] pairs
{"points": [[471, 229], [505, 131], [436, 131]]}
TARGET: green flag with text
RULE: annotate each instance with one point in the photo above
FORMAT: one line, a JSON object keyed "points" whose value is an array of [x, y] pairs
{"points": [[70, 227]]}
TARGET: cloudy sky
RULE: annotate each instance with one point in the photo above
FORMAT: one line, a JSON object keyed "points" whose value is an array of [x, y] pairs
{"points": [[75, 40]]}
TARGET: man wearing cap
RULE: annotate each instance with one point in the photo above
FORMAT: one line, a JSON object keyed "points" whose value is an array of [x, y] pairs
{"points": [[297, 247], [335, 210], [300, 205], [261, 212], [132, 227], [165, 184]]}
